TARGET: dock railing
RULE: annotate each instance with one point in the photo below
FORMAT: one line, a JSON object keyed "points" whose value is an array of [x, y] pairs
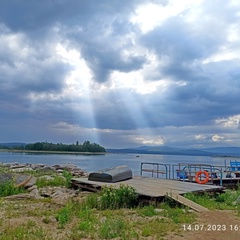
{"points": [[214, 174], [234, 168], [156, 169], [213, 171], [187, 172]]}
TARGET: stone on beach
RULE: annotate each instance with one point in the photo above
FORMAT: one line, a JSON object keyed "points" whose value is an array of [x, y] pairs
{"points": [[22, 180], [73, 169], [58, 195]]}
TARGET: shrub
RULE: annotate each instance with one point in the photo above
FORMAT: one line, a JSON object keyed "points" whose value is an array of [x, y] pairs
{"points": [[124, 197], [112, 198]]}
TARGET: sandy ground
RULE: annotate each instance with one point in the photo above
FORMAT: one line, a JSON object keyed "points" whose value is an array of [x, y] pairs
{"points": [[212, 225]]}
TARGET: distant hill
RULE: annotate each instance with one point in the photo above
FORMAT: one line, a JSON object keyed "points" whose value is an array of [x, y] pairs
{"points": [[165, 150], [224, 151]]}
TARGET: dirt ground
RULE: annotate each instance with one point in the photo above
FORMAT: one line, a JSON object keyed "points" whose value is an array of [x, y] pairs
{"points": [[212, 225]]}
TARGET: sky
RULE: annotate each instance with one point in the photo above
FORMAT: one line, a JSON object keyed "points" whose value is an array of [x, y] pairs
{"points": [[121, 74]]}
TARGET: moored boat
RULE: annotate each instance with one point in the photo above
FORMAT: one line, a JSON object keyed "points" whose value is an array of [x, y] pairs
{"points": [[111, 175]]}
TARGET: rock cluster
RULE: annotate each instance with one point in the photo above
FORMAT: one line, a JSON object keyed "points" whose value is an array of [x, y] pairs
{"points": [[58, 195], [17, 167]]}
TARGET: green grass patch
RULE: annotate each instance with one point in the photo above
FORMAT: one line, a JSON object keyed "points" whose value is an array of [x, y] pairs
{"points": [[3, 169], [147, 211], [68, 176], [113, 228], [8, 188], [56, 181], [65, 214], [28, 231], [157, 228], [157, 221], [177, 214], [229, 200]]}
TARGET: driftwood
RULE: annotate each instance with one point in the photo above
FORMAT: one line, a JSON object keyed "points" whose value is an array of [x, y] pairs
{"points": [[23, 183]]}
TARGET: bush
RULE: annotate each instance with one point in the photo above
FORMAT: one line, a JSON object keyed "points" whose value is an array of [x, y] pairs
{"points": [[112, 198], [124, 197]]}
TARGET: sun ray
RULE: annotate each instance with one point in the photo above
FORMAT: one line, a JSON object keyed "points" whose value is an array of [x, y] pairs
{"points": [[78, 88]]}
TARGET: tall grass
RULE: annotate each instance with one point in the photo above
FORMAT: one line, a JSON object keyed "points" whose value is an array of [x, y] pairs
{"points": [[114, 228], [3, 168], [24, 232], [108, 198], [57, 180], [65, 214], [229, 200], [8, 188], [123, 197], [68, 176], [111, 198]]}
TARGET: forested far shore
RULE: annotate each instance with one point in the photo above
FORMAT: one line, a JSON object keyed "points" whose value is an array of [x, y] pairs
{"points": [[58, 147]]}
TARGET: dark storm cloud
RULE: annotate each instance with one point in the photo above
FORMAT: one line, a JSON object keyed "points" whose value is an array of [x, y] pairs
{"points": [[29, 15], [181, 44], [195, 87], [104, 61], [28, 69], [102, 42], [38, 19], [178, 45], [32, 15]]}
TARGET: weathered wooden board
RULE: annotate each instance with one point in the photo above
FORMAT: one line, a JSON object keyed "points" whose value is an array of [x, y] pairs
{"points": [[186, 202], [151, 187]]}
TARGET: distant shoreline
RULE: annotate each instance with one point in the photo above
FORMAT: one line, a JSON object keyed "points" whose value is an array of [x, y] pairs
{"points": [[52, 152], [104, 153]]}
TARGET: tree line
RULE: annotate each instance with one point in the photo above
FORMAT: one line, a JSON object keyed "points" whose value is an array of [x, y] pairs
{"points": [[45, 146]]}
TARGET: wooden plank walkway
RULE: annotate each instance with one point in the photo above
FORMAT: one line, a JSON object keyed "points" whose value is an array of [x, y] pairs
{"points": [[186, 202], [150, 187]]}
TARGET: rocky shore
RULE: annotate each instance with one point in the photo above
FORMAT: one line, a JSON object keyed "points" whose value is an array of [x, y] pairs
{"points": [[23, 176], [18, 167]]}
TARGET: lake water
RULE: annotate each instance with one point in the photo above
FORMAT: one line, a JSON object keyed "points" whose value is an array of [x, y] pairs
{"points": [[90, 163]]}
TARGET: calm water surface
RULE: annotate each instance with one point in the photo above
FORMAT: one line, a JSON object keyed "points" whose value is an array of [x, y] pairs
{"points": [[91, 163]]}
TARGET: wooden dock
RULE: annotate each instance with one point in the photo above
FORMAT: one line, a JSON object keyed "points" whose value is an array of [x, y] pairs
{"points": [[153, 188], [150, 187], [227, 182]]}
